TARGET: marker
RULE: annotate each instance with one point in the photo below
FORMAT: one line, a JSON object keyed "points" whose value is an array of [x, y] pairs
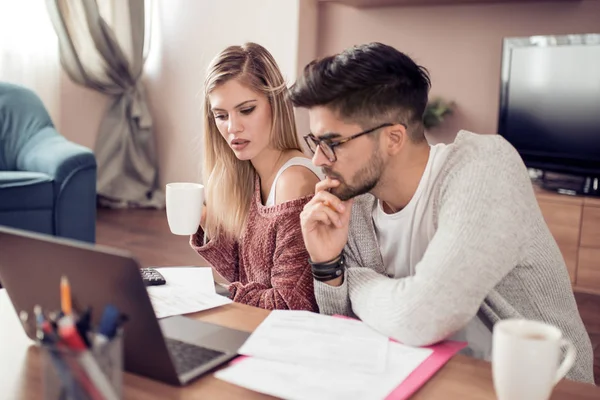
{"points": [[65, 296]]}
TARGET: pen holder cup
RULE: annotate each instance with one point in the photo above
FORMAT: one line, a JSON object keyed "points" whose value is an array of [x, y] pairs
{"points": [[96, 373]]}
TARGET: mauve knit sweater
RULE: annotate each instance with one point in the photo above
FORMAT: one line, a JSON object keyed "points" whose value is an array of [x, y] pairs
{"points": [[268, 266]]}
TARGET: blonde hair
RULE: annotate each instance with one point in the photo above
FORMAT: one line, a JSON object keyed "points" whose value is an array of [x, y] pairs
{"points": [[228, 181]]}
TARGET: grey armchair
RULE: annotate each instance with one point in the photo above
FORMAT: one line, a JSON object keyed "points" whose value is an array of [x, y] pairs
{"points": [[47, 183]]}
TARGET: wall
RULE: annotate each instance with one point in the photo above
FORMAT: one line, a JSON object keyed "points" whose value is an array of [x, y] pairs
{"points": [[307, 48], [81, 110], [186, 35], [459, 44]]}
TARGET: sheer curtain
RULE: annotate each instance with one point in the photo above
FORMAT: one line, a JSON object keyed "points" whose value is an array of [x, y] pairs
{"points": [[103, 47], [29, 53]]}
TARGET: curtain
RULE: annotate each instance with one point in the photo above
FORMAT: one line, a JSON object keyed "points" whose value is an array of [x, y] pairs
{"points": [[29, 51], [103, 47]]}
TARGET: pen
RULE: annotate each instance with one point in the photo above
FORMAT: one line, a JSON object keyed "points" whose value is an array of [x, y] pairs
{"points": [[53, 318], [83, 326], [39, 321], [111, 317]]}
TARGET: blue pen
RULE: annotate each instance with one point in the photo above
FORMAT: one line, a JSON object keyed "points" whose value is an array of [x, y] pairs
{"points": [[109, 323]]}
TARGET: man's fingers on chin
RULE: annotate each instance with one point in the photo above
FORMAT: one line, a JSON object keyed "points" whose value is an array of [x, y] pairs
{"points": [[326, 184]]}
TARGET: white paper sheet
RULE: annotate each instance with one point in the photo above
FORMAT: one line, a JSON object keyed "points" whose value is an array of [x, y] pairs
{"points": [[306, 338], [187, 277], [188, 289], [11, 317], [293, 382]]}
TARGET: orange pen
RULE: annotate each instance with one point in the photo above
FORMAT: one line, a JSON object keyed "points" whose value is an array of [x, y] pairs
{"points": [[65, 296]]}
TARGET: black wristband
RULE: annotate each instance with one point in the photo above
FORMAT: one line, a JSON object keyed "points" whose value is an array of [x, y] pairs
{"points": [[333, 261], [328, 270]]}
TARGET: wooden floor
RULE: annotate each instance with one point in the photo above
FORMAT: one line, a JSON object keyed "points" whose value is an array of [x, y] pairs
{"points": [[145, 233]]}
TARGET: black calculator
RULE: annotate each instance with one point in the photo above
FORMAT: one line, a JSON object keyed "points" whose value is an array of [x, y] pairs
{"points": [[152, 277]]}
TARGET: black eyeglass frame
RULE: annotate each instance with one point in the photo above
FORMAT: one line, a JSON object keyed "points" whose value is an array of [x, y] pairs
{"points": [[332, 145]]}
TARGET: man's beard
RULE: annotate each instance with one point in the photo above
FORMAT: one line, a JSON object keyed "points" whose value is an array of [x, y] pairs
{"points": [[366, 179]]}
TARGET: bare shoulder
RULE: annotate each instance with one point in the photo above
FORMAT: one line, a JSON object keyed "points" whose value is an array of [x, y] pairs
{"points": [[295, 182]]}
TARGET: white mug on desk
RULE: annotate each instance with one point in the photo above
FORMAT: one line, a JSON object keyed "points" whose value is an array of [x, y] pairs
{"points": [[525, 359], [184, 207]]}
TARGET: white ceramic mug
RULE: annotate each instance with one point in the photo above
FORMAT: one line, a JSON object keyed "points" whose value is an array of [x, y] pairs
{"points": [[184, 207], [526, 359]]}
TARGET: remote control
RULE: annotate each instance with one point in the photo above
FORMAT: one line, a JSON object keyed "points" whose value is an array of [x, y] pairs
{"points": [[152, 277]]}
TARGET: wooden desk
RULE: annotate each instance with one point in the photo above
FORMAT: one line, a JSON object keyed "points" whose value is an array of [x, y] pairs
{"points": [[20, 378]]}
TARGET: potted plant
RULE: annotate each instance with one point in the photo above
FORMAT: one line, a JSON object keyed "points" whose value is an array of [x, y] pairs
{"points": [[436, 111]]}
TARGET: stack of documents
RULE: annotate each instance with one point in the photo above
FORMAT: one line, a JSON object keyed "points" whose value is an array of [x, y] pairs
{"points": [[302, 355], [188, 290]]}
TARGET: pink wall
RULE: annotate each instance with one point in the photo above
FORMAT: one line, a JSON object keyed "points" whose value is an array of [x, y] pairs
{"points": [[459, 44], [81, 110]]}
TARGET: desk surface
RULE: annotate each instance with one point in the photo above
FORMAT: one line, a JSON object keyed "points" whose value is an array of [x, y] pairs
{"points": [[20, 378]]}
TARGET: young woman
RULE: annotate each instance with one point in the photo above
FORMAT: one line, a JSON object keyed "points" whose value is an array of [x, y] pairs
{"points": [[257, 181]]}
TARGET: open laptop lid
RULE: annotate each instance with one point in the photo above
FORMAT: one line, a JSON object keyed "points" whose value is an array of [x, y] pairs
{"points": [[32, 264]]}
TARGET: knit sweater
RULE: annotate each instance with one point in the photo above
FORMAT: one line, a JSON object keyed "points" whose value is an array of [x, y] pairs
{"points": [[492, 254], [268, 266]]}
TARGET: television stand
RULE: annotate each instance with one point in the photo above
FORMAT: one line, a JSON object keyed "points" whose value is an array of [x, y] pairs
{"points": [[574, 222], [570, 184]]}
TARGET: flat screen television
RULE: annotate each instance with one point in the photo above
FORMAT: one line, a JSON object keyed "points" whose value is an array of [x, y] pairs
{"points": [[550, 106]]}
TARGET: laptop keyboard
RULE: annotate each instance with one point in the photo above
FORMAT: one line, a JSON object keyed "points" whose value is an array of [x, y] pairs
{"points": [[190, 356]]}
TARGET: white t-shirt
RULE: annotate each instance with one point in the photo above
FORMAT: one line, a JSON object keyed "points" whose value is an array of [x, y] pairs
{"points": [[303, 161], [404, 236]]}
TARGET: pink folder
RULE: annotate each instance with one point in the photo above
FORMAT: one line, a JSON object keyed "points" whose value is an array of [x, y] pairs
{"points": [[442, 353]]}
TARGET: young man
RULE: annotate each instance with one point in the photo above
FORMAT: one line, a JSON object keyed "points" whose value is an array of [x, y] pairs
{"points": [[423, 243]]}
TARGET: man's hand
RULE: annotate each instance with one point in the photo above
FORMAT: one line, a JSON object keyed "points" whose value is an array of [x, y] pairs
{"points": [[325, 221]]}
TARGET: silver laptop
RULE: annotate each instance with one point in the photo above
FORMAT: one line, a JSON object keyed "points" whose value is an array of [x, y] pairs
{"points": [[173, 350]]}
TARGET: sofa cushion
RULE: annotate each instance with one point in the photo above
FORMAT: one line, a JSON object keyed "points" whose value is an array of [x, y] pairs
{"points": [[40, 221], [25, 191], [22, 117]]}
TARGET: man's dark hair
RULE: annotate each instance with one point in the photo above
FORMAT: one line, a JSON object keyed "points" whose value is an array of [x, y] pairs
{"points": [[368, 85]]}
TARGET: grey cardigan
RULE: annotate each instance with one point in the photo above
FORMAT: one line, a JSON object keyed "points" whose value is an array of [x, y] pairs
{"points": [[492, 255]]}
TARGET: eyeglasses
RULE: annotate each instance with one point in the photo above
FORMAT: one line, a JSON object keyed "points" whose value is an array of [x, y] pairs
{"points": [[327, 146]]}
